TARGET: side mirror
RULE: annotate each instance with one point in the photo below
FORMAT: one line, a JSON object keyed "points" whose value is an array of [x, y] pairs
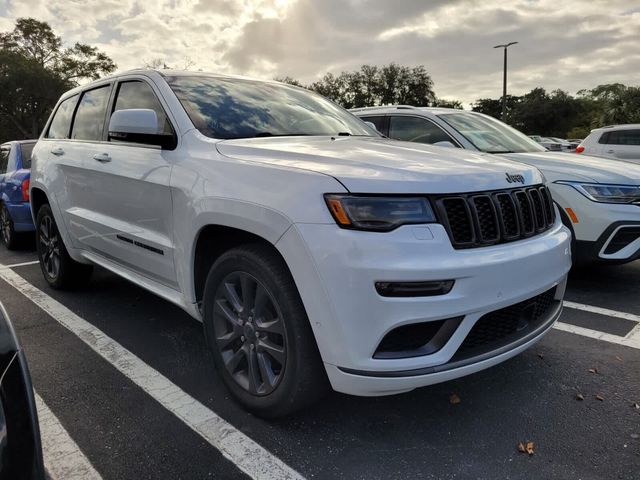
{"points": [[139, 125], [373, 125], [445, 143]]}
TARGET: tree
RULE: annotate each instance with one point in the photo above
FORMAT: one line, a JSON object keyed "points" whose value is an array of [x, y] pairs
{"points": [[444, 103], [36, 40], [35, 69]]}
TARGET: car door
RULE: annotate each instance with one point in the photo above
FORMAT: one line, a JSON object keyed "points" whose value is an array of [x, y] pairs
{"points": [[417, 129], [128, 213], [622, 144], [63, 169]]}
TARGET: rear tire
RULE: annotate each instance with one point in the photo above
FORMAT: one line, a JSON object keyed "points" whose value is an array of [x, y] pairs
{"points": [[259, 334], [10, 237], [59, 269]]}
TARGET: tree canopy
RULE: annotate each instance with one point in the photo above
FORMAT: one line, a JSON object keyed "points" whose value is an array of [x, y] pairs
{"points": [[35, 69]]}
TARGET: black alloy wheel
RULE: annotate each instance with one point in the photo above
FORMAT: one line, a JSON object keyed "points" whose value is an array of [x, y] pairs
{"points": [[250, 333]]}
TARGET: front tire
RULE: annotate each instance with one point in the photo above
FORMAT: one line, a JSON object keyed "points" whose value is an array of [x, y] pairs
{"points": [[9, 234], [59, 269], [259, 334]]}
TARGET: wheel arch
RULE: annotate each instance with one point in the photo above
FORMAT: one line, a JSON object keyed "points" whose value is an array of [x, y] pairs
{"points": [[211, 241]]}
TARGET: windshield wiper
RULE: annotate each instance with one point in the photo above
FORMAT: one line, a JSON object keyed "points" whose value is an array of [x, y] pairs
{"points": [[500, 151], [269, 134]]}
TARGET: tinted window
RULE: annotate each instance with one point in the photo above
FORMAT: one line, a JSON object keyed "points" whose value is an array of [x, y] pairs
{"points": [[414, 129], [61, 123], [4, 159], [89, 120], [377, 121], [236, 108], [621, 137], [25, 154], [140, 95]]}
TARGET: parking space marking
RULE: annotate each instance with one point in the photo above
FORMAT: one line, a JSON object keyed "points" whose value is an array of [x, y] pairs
{"points": [[602, 311], [630, 340], [23, 264], [63, 459], [246, 454]]}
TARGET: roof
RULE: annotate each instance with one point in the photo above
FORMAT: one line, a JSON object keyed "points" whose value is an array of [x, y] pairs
{"points": [[396, 108], [622, 126]]}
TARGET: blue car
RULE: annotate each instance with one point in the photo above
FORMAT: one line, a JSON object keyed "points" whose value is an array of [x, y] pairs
{"points": [[15, 212]]}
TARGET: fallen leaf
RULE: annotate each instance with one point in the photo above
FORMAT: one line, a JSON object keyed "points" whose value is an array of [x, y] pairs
{"points": [[521, 448], [530, 447], [454, 399], [579, 397], [593, 370], [619, 359], [540, 356], [600, 397], [636, 406]]}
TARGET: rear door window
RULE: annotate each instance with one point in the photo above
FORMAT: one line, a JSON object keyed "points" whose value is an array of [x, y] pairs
{"points": [[4, 159], [88, 123], [61, 123], [415, 129], [138, 94], [621, 137], [25, 154]]}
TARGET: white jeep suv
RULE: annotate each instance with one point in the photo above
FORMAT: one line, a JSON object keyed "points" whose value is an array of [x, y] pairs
{"points": [[598, 198], [315, 251]]}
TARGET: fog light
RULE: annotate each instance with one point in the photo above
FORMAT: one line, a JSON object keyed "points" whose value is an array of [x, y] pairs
{"points": [[414, 289]]}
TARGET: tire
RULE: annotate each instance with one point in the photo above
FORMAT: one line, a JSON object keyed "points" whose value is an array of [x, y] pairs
{"points": [[10, 237], [288, 373], [59, 269]]}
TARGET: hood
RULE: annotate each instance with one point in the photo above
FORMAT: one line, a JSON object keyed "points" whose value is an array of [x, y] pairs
{"points": [[378, 165], [576, 166]]}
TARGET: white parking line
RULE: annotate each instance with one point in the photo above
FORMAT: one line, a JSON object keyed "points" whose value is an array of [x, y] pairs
{"points": [[246, 454], [23, 264], [602, 311], [630, 340], [62, 457]]}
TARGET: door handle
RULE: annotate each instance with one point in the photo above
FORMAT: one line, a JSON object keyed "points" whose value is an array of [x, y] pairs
{"points": [[57, 151], [611, 151], [102, 157]]}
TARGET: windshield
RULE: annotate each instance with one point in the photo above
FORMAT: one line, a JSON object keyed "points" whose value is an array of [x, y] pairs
{"points": [[230, 108], [490, 135]]}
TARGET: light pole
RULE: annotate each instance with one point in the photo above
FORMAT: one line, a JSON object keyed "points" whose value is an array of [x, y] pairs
{"points": [[504, 80]]}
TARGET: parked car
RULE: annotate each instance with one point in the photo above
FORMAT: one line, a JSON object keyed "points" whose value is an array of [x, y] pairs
{"points": [[620, 142], [312, 248], [20, 446], [599, 199], [15, 212], [547, 143], [565, 145]]}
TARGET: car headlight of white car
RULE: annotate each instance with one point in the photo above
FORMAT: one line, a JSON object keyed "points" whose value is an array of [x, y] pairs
{"points": [[378, 213], [604, 193]]}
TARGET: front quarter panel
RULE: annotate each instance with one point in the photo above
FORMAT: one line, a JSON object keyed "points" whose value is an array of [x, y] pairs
{"points": [[211, 189]]}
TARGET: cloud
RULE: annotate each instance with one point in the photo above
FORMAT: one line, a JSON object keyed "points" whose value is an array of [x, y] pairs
{"points": [[570, 45]]}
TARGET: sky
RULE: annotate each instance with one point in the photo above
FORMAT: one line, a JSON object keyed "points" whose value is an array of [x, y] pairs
{"points": [[567, 44]]}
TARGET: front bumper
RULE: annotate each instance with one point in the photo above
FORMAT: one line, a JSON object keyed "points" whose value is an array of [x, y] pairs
{"points": [[350, 319]]}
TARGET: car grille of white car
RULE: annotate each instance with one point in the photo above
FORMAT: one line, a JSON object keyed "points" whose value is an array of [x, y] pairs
{"points": [[489, 218]]}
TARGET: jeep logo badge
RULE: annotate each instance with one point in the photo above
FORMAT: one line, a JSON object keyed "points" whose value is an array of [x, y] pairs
{"points": [[515, 178]]}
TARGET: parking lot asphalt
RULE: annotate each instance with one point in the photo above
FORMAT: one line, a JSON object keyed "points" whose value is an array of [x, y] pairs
{"points": [[102, 356]]}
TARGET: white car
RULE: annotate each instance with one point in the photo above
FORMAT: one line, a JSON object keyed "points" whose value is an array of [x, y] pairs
{"points": [[549, 144], [312, 248], [599, 199], [621, 142]]}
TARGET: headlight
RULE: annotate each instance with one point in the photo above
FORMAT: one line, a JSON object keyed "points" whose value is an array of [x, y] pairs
{"points": [[603, 193], [380, 214]]}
